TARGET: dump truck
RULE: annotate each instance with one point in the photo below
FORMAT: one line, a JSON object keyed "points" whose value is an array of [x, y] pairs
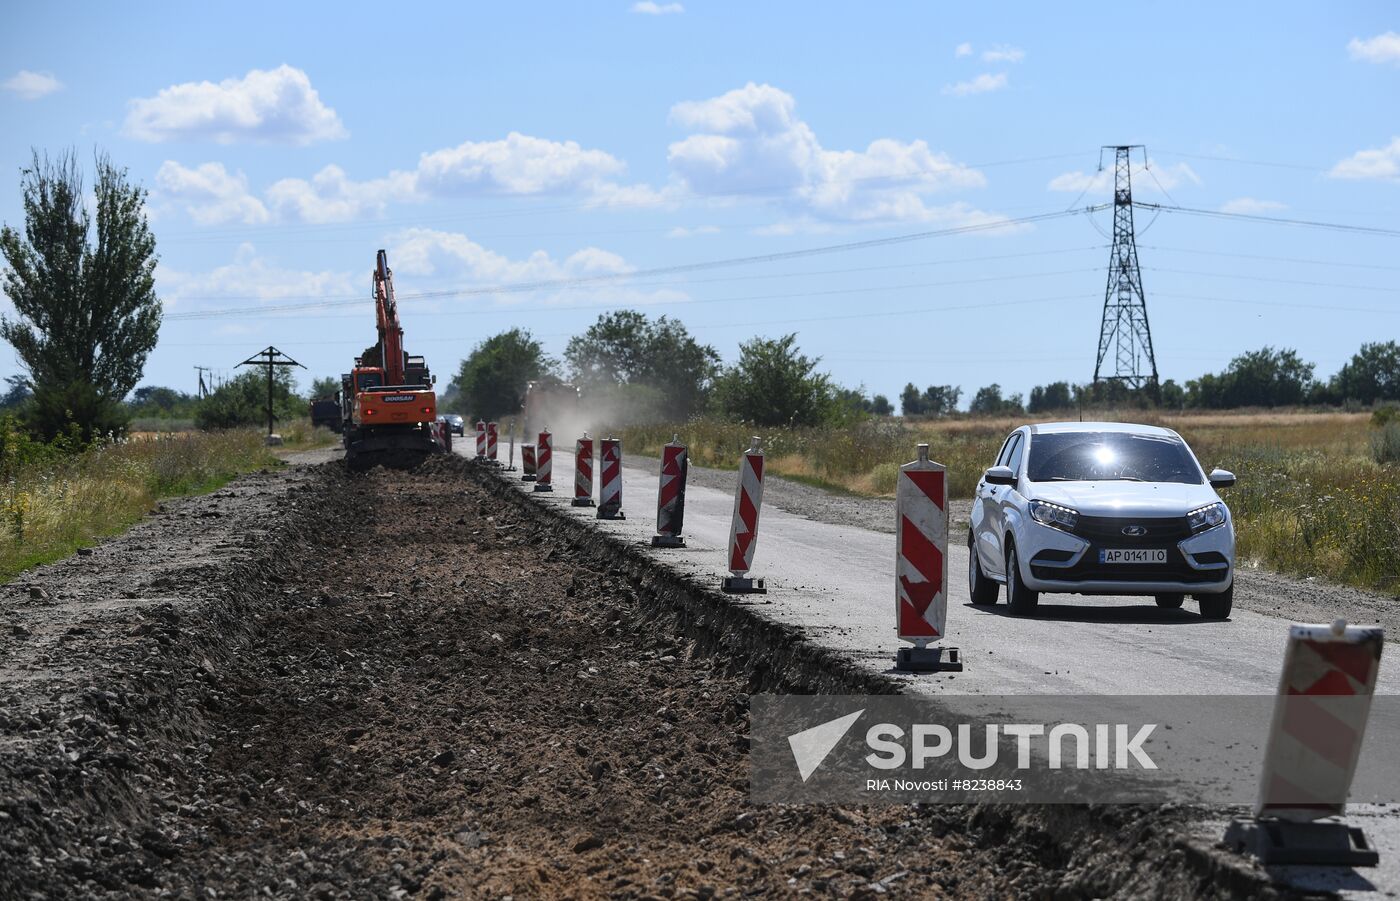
{"points": [[388, 403], [326, 411]]}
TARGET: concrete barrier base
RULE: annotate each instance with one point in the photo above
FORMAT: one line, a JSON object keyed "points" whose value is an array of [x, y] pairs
{"points": [[1318, 843], [742, 585], [928, 660]]}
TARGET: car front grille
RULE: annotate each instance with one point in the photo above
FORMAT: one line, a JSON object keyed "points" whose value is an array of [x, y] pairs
{"points": [[1156, 530]]}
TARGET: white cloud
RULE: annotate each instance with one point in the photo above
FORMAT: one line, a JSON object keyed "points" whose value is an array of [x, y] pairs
{"points": [[331, 196], [1381, 163], [751, 141], [648, 8], [963, 49], [979, 85], [32, 85], [272, 106], [250, 279], [1252, 206], [209, 193], [681, 231], [426, 252], [1003, 53], [519, 164], [429, 257], [1101, 182], [1383, 48]]}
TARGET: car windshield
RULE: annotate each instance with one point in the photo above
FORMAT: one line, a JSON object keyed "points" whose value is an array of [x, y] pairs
{"points": [[1110, 456]]}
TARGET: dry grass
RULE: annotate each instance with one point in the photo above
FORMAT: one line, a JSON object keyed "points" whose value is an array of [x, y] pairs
{"points": [[1312, 498], [49, 509]]}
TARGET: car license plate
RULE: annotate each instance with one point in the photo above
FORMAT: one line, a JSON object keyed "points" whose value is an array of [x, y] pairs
{"points": [[1132, 555]]}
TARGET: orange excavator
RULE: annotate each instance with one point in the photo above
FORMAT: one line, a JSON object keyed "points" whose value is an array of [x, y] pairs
{"points": [[388, 404]]}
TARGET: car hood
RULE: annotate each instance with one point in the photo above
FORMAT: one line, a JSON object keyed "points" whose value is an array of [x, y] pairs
{"points": [[1122, 498]]}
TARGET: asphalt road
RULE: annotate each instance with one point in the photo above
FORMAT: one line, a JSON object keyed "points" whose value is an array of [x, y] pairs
{"points": [[836, 582]]}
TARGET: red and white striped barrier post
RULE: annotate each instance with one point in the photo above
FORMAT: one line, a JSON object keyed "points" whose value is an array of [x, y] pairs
{"points": [[670, 496], [1320, 714], [480, 440], [921, 565], [743, 531], [527, 462], [510, 463], [610, 479], [492, 433], [544, 462], [583, 471]]}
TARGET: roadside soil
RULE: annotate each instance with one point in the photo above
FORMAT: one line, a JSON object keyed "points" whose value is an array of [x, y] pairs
{"points": [[1257, 589], [313, 684]]}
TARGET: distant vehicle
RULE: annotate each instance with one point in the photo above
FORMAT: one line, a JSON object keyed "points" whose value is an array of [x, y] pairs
{"points": [[325, 411], [456, 424], [1101, 508]]}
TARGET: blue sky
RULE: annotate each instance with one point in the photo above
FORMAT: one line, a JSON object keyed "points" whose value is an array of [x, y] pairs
{"points": [[490, 146]]}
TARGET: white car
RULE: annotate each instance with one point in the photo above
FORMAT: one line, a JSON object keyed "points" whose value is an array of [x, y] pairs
{"points": [[1101, 508]]}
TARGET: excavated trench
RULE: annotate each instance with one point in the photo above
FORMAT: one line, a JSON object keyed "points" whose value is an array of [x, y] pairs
{"points": [[421, 684]]}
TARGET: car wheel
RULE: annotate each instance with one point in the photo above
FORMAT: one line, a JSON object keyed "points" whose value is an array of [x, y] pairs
{"points": [[1217, 606], [1021, 598], [982, 589], [1170, 601]]}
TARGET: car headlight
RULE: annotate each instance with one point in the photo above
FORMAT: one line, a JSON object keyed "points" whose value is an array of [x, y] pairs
{"points": [[1207, 517], [1053, 515]]}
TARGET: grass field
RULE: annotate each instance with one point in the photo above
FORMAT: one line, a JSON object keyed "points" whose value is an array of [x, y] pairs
{"points": [[1311, 500], [53, 504]]}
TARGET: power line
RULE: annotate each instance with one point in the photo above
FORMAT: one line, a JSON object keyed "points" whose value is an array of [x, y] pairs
{"points": [[1253, 256], [604, 278], [1275, 303], [753, 276], [1234, 159], [867, 289], [1276, 220], [1279, 281]]}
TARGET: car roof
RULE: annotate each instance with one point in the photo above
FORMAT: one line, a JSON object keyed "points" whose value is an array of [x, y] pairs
{"points": [[1124, 427]]}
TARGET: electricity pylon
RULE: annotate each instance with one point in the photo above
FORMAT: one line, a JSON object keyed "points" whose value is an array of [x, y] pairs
{"points": [[1125, 334]]}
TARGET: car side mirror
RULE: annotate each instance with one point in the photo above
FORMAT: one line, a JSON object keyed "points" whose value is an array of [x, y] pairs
{"points": [[1221, 478], [1000, 475]]}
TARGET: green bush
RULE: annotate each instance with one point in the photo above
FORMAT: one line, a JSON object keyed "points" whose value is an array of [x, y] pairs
{"points": [[1385, 443]]}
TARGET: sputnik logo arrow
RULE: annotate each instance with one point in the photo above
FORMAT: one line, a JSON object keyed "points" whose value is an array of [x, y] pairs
{"points": [[810, 746]]}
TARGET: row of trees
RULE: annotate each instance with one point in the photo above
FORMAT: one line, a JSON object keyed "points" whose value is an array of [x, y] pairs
{"points": [[642, 369], [1268, 377]]}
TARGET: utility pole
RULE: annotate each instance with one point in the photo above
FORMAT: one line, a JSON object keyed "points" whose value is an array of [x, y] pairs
{"points": [[1124, 333], [203, 388], [270, 358]]}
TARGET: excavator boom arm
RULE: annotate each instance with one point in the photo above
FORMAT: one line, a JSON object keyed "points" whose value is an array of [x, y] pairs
{"points": [[390, 330]]}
